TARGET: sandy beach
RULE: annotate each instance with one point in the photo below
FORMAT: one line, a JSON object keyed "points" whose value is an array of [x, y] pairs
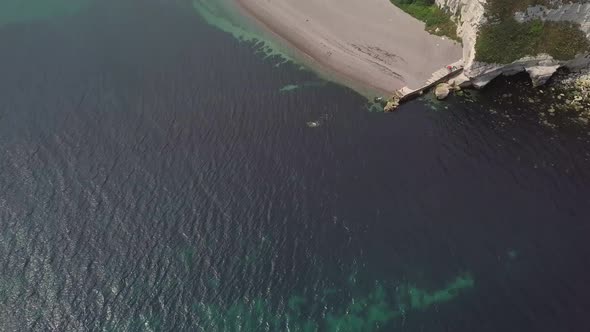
{"points": [[370, 43]]}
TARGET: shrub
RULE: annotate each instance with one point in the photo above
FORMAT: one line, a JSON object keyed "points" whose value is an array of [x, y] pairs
{"points": [[508, 40]]}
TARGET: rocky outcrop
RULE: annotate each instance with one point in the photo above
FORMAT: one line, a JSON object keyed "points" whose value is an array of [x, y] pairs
{"points": [[540, 68], [541, 74], [470, 16]]}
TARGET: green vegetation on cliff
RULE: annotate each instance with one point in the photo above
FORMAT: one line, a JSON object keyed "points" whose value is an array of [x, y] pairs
{"points": [[437, 21], [504, 40]]}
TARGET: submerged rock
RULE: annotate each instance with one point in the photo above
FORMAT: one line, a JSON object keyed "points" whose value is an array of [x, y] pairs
{"points": [[381, 101]]}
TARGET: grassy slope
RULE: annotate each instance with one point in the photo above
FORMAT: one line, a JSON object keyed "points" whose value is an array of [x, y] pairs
{"points": [[504, 40], [437, 21]]}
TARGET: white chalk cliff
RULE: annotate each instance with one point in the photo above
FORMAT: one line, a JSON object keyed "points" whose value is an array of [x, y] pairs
{"points": [[470, 16]]}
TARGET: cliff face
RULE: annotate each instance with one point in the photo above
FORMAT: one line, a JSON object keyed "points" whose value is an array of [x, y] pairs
{"points": [[469, 15], [472, 15]]}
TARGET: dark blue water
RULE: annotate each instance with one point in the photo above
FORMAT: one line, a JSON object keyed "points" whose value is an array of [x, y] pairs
{"points": [[154, 178]]}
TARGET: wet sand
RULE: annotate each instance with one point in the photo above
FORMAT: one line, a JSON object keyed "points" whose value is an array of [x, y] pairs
{"points": [[369, 42]]}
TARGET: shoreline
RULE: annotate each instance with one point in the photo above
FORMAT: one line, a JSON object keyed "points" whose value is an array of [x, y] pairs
{"points": [[325, 71], [378, 48]]}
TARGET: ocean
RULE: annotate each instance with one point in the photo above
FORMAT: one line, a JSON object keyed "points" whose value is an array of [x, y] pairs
{"points": [[158, 174]]}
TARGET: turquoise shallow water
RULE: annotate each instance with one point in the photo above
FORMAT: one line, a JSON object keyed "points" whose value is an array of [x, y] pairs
{"points": [[226, 16], [159, 175], [18, 11]]}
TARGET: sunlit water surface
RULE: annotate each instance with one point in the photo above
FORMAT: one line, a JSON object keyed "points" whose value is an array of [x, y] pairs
{"points": [[159, 175]]}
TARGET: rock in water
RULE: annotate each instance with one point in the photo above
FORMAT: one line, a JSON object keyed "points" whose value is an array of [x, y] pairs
{"points": [[541, 74], [391, 105], [442, 91]]}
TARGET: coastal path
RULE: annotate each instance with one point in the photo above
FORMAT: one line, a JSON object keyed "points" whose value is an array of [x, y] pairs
{"points": [[439, 76]]}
